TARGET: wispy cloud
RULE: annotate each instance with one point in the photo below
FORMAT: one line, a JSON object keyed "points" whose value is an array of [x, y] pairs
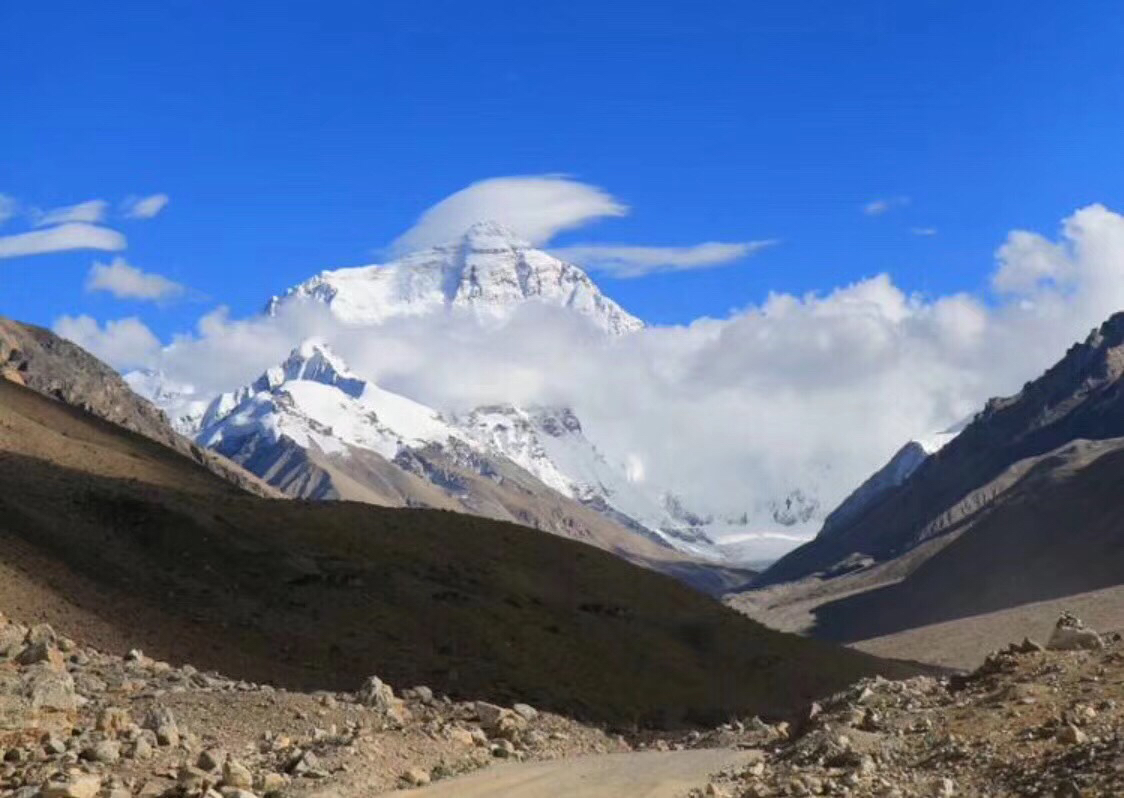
{"points": [[620, 260], [877, 207], [144, 207], [8, 207], [75, 235], [126, 281], [534, 207], [89, 212], [923, 231]]}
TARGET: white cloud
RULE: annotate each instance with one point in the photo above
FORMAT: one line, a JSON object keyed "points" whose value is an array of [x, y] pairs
{"points": [[123, 343], [923, 231], [621, 260], [75, 235], [808, 391], [144, 207], [126, 281], [880, 206], [536, 207], [89, 212], [8, 207]]}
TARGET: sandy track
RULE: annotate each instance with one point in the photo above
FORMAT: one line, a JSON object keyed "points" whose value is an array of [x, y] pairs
{"points": [[650, 774]]}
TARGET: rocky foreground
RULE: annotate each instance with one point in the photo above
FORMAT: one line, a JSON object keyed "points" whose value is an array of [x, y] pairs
{"points": [[1033, 720], [79, 723]]}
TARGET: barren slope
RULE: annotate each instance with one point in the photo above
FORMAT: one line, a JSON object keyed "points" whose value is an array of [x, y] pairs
{"points": [[148, 546]]}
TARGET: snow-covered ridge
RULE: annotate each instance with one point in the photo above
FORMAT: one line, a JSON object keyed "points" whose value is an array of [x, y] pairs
{"points": [[488, 272], [315, 401]]}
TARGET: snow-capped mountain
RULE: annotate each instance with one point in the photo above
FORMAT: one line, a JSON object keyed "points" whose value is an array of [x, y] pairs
{"points": [[488, 272], [315, 430], [313, 404], [314, 401]]}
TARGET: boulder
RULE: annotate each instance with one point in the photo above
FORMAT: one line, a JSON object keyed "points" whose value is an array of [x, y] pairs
{"points": [[376, 693], [1070, 634], [235, 774], [72, 785], [50, 689]]}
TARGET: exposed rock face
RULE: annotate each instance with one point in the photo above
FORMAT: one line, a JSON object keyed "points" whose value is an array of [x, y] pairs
{"points": [[41, 360]]}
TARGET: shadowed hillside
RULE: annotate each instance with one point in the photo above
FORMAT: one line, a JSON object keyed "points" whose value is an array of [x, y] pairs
{"points": [[115, 537]]}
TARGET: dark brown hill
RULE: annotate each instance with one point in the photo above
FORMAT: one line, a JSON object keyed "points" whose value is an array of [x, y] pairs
{"points": [[121, 541]]}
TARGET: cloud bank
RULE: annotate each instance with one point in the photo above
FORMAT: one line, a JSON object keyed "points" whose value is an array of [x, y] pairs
{"points": [[808, 391]]}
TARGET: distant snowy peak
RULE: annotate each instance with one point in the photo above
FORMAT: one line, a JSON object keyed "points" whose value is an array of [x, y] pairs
{"points": [[488, 272], [315, 401]]}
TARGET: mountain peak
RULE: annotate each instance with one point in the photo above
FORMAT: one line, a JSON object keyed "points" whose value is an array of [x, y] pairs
{"points": [[488, 273], [491, 236]]}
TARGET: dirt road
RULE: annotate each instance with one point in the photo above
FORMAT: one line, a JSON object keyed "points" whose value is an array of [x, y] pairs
{"points": [[650, 774]]}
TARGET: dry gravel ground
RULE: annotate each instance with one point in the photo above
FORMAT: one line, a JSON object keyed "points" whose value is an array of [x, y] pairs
{"points": [[648, 774]]}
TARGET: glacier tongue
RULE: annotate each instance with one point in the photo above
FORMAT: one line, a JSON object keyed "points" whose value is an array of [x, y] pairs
{"points": [[488, 272]]}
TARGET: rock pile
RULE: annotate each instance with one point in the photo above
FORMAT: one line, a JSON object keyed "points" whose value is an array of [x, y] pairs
{"points": [[1033, 720]]}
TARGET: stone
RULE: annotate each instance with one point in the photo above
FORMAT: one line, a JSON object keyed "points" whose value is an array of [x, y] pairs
{"points": [[42, 633], [162, 722], [74, 785], [11, 641], [415, 777], [193, 780], [525, 711], [113, 721], [107, 752], [376, 693], [269, 782], [1071, 735], [51, 689], [42, 651], [142, 749], [235, 774], [1070, 634], [210, 759]]}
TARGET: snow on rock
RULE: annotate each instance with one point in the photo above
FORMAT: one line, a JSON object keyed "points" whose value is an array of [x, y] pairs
{"points": [[313, 400], [488, 272]]}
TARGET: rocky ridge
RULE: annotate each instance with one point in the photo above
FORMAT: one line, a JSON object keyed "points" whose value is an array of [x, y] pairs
{"points": [[44, 362]]}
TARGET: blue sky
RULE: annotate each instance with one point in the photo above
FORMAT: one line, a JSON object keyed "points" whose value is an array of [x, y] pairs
{"points": [[292, 137]]}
